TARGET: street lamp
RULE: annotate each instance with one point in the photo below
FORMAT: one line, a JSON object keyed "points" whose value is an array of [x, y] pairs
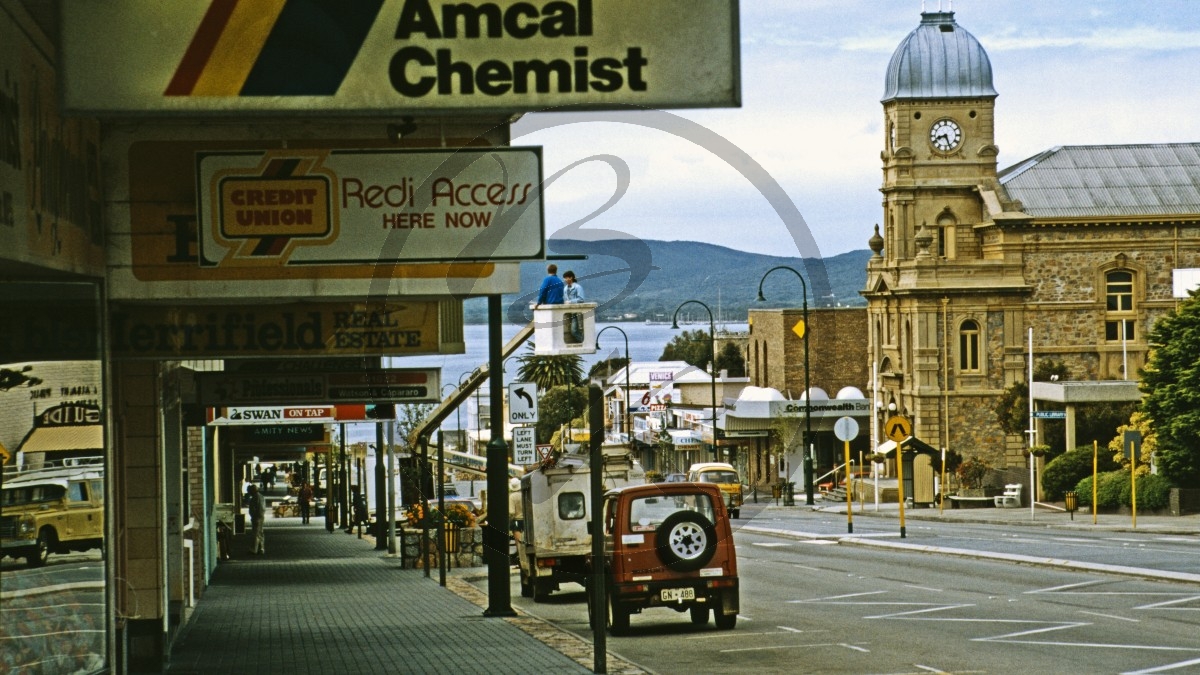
{"points": [[808, 458], [628, 363], [712, 350]]}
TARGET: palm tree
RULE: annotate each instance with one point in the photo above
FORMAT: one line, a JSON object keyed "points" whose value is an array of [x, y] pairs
{"points": [[550, 371]]}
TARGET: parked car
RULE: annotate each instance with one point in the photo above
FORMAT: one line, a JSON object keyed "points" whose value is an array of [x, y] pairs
{"points": [[675, 478], [668, 545], [725, 477], [56, 510]]}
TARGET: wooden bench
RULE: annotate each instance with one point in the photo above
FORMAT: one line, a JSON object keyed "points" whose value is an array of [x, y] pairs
{"points": [[957, 502]]}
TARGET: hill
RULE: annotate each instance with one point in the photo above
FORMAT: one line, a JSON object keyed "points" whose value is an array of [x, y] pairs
{"points": [[638, 280]]}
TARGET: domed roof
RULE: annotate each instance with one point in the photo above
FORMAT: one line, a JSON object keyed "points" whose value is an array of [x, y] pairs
{"points": [[939, 59]]}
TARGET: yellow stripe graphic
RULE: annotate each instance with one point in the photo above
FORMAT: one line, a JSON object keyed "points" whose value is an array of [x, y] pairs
{"points": [[238, 47]]}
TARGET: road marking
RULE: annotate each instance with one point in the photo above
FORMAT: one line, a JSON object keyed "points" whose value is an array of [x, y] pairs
{"points": [[1111, 616], [841, 597], [1165, 603], [855, 648], [1169, 666], [924, 588]]}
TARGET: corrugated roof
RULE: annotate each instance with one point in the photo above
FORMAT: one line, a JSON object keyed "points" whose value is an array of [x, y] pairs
{"points": [[1080, 181]]}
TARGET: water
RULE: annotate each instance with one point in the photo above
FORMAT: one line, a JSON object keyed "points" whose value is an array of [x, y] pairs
{"points": [[646, 343]]}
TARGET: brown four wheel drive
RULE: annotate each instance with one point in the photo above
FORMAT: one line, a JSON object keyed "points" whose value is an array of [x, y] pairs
{"points": [[669, 545]]}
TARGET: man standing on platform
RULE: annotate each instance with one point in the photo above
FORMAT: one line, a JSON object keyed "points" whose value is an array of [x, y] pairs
{"points": [[551, 290], [572, 294]]}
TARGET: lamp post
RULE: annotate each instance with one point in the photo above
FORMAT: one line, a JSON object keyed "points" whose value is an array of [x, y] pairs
{"points": [[712, 350], [462, 378], [628, 428], [808, 458]]}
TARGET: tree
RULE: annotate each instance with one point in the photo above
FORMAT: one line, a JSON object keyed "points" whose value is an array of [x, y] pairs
{"points": [[1171, 384], [605, 369], [731, 360], [690, 346], [557, 406], [548, 371], [1012, 409]]}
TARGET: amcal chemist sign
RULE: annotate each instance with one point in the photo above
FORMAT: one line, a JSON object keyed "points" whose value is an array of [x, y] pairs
{"points": [[383, 55], [333, 207]]}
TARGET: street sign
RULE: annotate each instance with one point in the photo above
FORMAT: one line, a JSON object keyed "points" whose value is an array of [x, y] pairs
{"points": [[799, 329], [897, 428], [544, 450], [1049, 414], [846, 428], [275, 415], [522, 403], [524, 446], [386, 385], [1132, 442]]}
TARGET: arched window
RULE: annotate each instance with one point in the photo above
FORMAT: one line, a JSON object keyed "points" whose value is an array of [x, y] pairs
{"points": [[968, 346], [1119, 313]]}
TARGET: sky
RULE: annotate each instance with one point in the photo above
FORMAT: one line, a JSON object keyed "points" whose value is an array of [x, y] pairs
{"points": [[1068, 72]]}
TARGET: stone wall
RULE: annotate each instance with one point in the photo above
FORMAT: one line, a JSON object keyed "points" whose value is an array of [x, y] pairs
{"points": [[467, 551]]}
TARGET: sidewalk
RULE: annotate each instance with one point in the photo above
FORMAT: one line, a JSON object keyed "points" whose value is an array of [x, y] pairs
{"points": [[321, 602], [1042, 515]]}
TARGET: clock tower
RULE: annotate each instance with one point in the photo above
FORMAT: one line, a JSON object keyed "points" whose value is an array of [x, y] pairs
{"points": [[942, 283]]}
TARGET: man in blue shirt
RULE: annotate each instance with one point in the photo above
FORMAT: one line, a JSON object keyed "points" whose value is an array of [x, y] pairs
{"points": [[551, 290]]}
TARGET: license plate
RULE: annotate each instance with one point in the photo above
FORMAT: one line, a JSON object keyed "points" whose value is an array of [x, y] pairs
{"points": [[677, 594]]}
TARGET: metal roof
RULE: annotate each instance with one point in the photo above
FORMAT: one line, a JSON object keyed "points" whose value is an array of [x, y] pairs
{"points": [[1080, 181], [939, 59]]}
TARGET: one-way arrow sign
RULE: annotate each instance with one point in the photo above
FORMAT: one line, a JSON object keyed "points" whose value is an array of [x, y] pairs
{"points": [[522, 403]]}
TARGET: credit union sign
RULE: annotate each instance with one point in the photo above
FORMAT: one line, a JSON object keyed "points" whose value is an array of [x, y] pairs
{"points": [[294, 208]]}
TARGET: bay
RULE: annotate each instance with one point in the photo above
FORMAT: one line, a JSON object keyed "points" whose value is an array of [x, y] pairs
{"points": [[646, 343]]}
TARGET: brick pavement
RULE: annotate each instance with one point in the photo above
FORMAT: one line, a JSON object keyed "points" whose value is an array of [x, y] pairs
{"points": [[321, 602]]}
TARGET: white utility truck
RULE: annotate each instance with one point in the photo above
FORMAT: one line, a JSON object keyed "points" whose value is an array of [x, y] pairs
{"points": [[552, 540]]}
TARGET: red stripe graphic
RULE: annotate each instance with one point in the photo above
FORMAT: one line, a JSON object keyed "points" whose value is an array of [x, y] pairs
{"points": [[201, 49]]}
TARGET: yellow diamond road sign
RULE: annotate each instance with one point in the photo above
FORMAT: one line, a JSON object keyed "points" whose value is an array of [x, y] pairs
{"points": [[897, 428], [799, 328]]}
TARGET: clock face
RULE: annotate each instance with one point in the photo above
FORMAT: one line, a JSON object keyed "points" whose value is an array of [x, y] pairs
{"points": [[945, 135]]}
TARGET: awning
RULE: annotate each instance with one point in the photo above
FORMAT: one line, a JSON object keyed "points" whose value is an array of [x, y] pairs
{"points": [[684, 439], [54, 439], [911, 444]]}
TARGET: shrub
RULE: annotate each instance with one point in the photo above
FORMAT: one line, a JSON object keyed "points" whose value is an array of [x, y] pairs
{"points": [[1153, 492], [1108, 492], [1065, 471], [972, 471], [653, 476]]}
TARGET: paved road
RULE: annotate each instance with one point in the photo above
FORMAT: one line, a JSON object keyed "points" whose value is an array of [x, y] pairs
{"points": [[817, 599]]}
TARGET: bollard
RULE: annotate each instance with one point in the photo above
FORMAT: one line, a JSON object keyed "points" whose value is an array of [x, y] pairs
{"points": [[789, 495], [1072, 500]]}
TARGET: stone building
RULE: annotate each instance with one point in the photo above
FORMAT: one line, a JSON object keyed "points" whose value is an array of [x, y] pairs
{"points": [[1071, 250]]}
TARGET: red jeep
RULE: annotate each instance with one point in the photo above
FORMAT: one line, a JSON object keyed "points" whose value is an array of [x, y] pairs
{"points": [[669, 545]]}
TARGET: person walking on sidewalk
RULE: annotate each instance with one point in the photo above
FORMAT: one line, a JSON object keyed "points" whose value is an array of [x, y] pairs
{"points": [[305, 497], [258, 510]]}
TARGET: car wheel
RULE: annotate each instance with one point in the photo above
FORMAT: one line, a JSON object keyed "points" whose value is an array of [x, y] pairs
{"points": [[686, 541], [526, 586], [540, 591], [618, 616], [724, 621], [699, 614], [46, 542], [736, 513]]}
